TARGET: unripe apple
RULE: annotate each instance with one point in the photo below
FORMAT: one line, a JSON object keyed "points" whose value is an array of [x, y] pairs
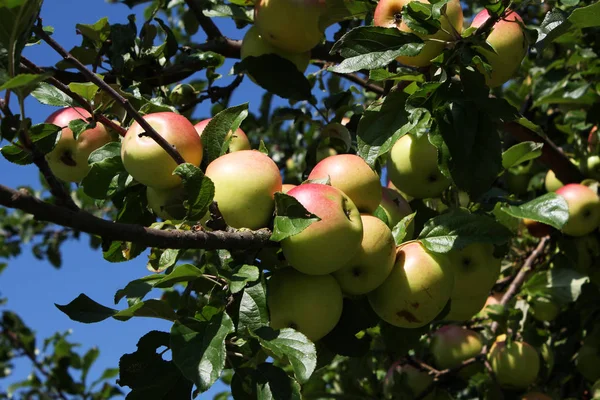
{"points": [[588, 359], [245, 183], [150, 164], [239, 140], [286, 187], [388, 14], [536, 396], [413, 169], [475, 270], [544, 309], [254, 45], [353, 176], [290, 25], [584, 209], [509, 43], [593, 167], [451, 345], [551, 182], [167, 203], [310, 304], [465, 306], [325, 151], [374, 260], [416, 380], [326, 245], [396, 208], [516, 365], [595, 391], [416, 290], [182, 94], [69, 158]]}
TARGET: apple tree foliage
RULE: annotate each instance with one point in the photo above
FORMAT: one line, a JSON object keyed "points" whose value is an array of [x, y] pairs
{"points": [[496, 146]]}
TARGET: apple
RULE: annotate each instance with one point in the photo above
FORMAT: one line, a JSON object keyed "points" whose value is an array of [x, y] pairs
{"points": [[543, 309], [353, 176], [416, 381], [150, 164], [245, 183], [412, 167], [515, 364], [308, 303], [593, 167], [465, 306], [536, 228], [396, 208], [451, 345], [416, 290], [388, 14], [517, 183], [167, 203], [588, 359], [254, 45], [286, 187], [325, 151], [373, 262], [536, 396], [595, 392], [182, 94], [329, 244], [584, 209], [290, 25], [593, 139], [475, 270], [239, 140], [551, 182], [507, 38], [69, 158]]}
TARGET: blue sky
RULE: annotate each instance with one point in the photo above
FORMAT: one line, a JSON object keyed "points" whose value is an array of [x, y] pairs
{"points": [[32, 286]]}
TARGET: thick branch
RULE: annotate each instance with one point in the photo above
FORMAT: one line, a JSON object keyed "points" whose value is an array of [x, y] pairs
{"points": [[91, 77], [174, 239], [207, 24]]}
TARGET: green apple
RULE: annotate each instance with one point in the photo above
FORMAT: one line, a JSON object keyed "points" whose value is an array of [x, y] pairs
{"points": [[374, 260], [593, 167], [69, 158], [290, 25], [551, 182], [396, 208], [507, 38], [595, 392], [416, 290], [517, 183], [543, 309], [415, 380], [388, 14], [329, 244], [412, 167], [239, 140], [475, 270], [182, 94], [465, 306], [150, 164], [167, 203], [353, 176], [584, 209], [451, 345], [308, 303], [535, 396], [254, 45], [588, 359], [245, 183], [325, 151], [515, 364]]}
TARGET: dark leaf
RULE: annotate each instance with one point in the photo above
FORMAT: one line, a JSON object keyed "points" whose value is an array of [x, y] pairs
{"points": [[291, 217]]}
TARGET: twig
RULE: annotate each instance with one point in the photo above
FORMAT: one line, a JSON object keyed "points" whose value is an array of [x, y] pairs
{"points": [[17, 343], [207, 24], [171, 239], [78, 99], [91, 77], [215, 93]]}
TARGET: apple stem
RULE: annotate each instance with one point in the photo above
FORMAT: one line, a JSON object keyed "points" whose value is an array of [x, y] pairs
{"points": [[91, 77]]}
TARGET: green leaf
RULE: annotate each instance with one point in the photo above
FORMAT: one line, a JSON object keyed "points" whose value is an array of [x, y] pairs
{"points": [[563, 285], [521, 152], [550, 209], [265, 382], [292, 345], [150, 308], [371, 47], [215, 132], [181, 273], [253, 312], [276, 75], [107, 173], [135, 290], [245, 274], [291, 217], [16, 155], [399, 231], [49, 95], [401, 74], [199, 190], [458, 228], [23, 80], [78, 126], [198, 348], [83, 309], [420, 18], [97, 32], [87, 90]]}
